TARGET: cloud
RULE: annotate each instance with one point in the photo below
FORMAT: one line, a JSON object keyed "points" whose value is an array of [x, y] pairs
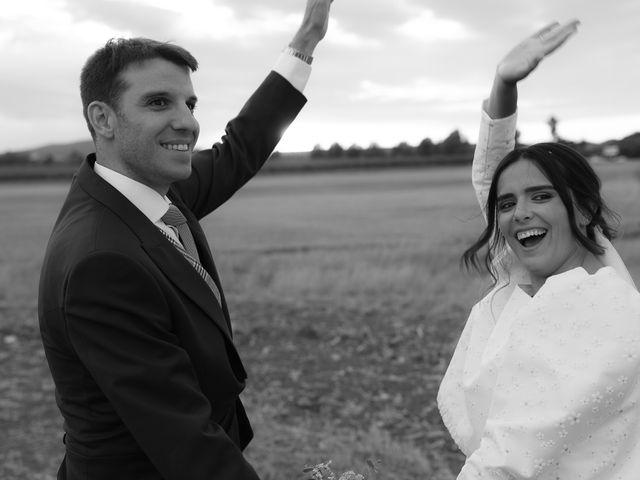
{"points": [[195, 19], [338, 35], [383, 67], [137, 19], [32, 25], [421, 90], [223, 24], [426, 27], [45, 52]]}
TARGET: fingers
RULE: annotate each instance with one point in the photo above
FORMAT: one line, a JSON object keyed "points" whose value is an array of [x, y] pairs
{"points": [[566, 30], [556, 31], [554, 38], [543, 31]]}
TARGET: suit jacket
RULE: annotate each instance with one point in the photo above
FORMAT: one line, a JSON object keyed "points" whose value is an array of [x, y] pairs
{"points": [[147, 376]]}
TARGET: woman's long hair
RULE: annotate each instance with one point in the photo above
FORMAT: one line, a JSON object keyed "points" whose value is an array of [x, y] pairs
{"points": [[578, 186]]}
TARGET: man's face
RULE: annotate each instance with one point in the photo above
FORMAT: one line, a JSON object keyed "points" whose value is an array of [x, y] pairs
{"points": [[155, 130]]}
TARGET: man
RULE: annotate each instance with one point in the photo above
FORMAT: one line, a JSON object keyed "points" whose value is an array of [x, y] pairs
{"points": [[132, 314]]}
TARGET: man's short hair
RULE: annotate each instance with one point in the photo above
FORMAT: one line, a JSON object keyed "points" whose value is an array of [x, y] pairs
{"points": [[101, 80]]}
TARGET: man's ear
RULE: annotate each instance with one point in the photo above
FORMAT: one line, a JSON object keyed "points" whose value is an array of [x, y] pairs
{"points": [[102, 118]]}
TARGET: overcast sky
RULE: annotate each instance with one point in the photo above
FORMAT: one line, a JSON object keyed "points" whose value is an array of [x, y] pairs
{"points": [[388, 70]]}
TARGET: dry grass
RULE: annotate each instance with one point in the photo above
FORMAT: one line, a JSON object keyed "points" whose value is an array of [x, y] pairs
{"points": [[347, 299]]}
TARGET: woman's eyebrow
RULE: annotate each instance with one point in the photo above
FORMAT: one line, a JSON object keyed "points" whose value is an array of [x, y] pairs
{"points": [[533, 189], [537, 188]]}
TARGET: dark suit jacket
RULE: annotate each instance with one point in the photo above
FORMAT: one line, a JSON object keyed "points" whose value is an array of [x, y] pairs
{"points": [[147, 376]]}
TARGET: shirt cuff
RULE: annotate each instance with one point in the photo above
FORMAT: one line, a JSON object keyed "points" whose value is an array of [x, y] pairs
{"points": [[498, 129], [294, 70]]}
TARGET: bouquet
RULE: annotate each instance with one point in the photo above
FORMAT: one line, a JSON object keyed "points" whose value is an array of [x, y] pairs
{"points": [[323, 471]]}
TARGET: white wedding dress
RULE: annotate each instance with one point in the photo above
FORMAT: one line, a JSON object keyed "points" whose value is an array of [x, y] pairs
{"points": [[546, 387]]}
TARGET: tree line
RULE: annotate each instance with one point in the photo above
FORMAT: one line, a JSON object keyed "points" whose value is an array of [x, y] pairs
{"points": [[454, 144]]}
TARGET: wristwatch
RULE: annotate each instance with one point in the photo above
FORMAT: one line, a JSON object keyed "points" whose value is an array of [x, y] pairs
{"points": [[298, 54]]}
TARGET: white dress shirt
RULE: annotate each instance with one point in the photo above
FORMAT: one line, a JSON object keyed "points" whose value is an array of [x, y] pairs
{"points": [[144, 198]]}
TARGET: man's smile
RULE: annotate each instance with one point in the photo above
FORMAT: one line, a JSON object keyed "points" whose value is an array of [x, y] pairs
{"points": [[181, 147]]}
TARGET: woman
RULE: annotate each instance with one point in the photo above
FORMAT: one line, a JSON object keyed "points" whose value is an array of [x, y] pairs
{"points": [[544, 380]]}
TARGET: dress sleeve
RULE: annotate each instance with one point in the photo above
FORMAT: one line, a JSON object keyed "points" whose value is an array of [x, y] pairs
{"points": [[495, 140], [567, 388]]}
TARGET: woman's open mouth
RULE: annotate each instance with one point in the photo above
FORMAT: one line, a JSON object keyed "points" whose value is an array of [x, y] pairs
{"points": [[530, 238]]}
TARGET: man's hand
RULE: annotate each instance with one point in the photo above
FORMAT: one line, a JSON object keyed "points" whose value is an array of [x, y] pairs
{"points": [[524, 58], [314, 26]]}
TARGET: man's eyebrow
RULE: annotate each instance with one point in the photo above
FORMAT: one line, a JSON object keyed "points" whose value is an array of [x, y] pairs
{"points": [[164, 93], [533, 189], [156, 93]]}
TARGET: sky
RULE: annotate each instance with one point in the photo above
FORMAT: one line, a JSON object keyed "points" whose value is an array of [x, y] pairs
{"points": [[386, 72]]}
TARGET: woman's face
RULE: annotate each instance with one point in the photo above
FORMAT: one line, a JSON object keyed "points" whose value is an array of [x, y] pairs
{"points": [[535, 223]]}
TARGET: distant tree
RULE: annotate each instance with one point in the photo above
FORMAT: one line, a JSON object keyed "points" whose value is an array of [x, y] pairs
{"points": [[354, 151], [454, 144], [374, 150], [335, 150], [630, 146], [425, 148], [403, 149], [553, 125], [13, 158], [318, 152]]}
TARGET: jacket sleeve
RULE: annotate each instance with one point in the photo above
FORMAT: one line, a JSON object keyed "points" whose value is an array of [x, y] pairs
{"points": [[119, 324], [249, 140]]}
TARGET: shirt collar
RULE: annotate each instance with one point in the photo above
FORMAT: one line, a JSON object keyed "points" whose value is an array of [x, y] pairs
{"points": [[147, 200]]}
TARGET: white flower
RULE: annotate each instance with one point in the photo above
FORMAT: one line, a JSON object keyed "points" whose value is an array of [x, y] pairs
{"points": [[574, 418], [351, 475]]}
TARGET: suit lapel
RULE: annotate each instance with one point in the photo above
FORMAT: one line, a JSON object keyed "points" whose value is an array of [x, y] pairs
{"points": [[164, 255], [206, 258], [185, 278]]}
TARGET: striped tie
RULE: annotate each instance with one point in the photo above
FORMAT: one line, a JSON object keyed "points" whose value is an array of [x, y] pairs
{"points": [[176, 220]]}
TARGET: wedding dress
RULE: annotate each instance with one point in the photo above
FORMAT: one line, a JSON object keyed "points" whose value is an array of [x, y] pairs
{"points": [[546, 387]]}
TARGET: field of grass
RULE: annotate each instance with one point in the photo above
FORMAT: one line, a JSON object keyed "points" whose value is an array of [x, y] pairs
{"points": [[346, 298]]}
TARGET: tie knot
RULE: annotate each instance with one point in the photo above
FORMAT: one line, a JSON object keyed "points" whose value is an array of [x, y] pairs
{"points": [[174, 217]]}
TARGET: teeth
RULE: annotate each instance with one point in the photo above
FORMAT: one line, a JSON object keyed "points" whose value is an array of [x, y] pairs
{"points": [[530, 233], [182, 147]]}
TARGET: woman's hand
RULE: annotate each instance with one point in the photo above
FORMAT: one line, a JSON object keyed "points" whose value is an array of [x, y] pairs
{"points": [[520, 62], [524, 58]]}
